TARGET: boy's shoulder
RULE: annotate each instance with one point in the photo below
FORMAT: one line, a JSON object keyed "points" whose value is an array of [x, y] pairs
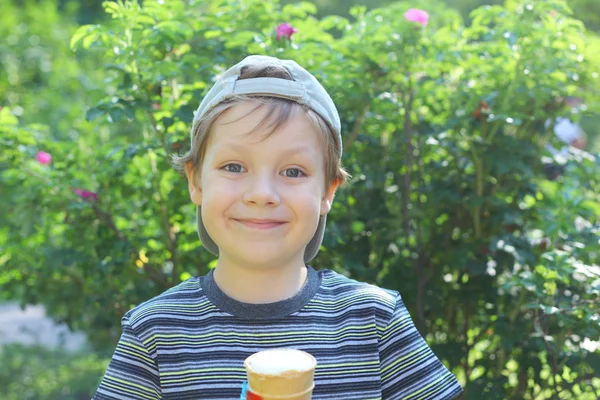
{"points": [[342, 288], [178, 299]]}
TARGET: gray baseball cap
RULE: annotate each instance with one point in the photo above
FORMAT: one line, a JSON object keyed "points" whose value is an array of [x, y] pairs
{"points": [[305, 89]]}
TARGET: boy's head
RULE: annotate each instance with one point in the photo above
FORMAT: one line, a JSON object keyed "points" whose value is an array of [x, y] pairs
{"points": [[264, 161]]}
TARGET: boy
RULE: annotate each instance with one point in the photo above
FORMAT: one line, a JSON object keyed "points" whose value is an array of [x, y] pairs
{"points": [[263, 169]]}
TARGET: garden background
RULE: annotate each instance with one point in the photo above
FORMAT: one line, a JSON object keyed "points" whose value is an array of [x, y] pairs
{"points": [[445, 126]]}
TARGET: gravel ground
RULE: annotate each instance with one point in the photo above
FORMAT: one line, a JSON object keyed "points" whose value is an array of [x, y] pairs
{"points": [[31, 326]]}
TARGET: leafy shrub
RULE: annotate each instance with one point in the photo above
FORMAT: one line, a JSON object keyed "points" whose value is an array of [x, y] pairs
{"points": [[36, 373]]}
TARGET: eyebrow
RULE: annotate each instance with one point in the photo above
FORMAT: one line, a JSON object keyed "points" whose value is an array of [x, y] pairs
{"points": [[241, 149]]}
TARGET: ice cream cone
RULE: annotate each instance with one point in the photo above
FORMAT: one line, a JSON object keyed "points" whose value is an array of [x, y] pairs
{"points": [[281, 374]]}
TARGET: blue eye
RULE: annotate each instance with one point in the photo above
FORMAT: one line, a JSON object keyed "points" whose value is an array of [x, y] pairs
{"points": [[235, 168], [293, 173]]}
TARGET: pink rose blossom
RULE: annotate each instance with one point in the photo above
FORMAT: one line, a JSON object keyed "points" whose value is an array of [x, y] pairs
{"points": [[86, 194], [44, 158], [286, 30], [416, 15]]}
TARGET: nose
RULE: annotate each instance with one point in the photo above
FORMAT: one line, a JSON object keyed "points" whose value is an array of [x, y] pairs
{"points": [[261, 190]]}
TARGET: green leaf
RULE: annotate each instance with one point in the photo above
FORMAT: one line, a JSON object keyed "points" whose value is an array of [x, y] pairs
{"points": [[308, 7], [358, 11], [185, 276], [593, 359], [146, 19], [186, 113], [213, 34], [333, 21], [116, 114], [131, 151], [81, 33], [90, 38], [95, 112], [7, 117], [358, 226], [240, 38], [129, 112], [113, 8]]}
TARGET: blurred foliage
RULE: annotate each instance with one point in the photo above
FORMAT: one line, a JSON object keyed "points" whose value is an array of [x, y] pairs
{"points": [[40, 78], [44, 374], [444, 131], [588, 11]]}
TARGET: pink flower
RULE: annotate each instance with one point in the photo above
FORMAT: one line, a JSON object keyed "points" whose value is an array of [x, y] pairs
{"points": [[416, 15], [44, 158], [284, 29], [86, 194]]}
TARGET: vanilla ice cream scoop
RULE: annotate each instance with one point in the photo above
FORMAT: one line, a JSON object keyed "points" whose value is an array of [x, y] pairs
{"points": [[278, 361]]}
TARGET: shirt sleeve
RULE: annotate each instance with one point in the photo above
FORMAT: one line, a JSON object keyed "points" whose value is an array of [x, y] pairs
{"points": [[409, 369], [132, 373]]}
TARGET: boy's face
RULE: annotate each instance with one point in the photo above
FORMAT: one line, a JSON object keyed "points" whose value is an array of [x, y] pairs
{"points": [[261, 197]]}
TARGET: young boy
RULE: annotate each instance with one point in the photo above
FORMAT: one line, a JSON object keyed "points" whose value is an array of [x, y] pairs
{"points": [[263, 169]]}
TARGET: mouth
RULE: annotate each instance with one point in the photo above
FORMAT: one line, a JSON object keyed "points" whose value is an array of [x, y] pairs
{"points": [[260, 223]]}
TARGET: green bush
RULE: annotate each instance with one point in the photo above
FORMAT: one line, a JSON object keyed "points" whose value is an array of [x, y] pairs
{"points": [[35, 373], [444, 132]]}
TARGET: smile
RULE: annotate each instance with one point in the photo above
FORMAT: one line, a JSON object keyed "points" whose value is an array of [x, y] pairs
{"points": [[260, 224]]}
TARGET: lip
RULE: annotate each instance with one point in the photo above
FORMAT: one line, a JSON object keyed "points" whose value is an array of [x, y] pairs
{"points": [[260, 223]]}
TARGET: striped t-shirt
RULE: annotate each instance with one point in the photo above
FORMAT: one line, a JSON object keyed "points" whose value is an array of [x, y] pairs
{"points": [[190, 343]]}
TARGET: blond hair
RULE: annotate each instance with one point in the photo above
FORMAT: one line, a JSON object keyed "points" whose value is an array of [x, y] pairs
{"points": [[279, 113]]}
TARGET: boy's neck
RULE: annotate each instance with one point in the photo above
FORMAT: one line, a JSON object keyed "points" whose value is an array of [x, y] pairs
{"points": [[256, 285]]}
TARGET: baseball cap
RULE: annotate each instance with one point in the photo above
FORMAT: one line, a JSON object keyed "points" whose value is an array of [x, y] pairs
{"points": [[304, 89]]}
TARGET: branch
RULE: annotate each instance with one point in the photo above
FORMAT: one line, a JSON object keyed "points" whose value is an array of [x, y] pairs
{"points": [[108, 220], [407, 128], [408, 101], [356, 128], [168, 231], [480, 335], [550, 355], [155, 274], [466, 333]]}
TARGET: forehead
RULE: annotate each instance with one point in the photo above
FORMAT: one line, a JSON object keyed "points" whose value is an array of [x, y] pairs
{"points": [[249, 124]]}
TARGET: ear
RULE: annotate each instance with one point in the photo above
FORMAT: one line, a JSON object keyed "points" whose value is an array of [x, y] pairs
{"points": [[327, 200], [193, 185]]}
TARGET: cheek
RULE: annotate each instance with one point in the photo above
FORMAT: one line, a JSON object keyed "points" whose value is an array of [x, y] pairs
{"points": [[306, 201], [218, 193]]}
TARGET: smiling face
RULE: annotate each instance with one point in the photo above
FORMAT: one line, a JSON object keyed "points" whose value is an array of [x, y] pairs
{"points": [[261, 194]]}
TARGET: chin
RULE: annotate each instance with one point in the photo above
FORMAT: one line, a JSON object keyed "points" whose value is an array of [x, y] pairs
{"points": [[263, 255]]}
